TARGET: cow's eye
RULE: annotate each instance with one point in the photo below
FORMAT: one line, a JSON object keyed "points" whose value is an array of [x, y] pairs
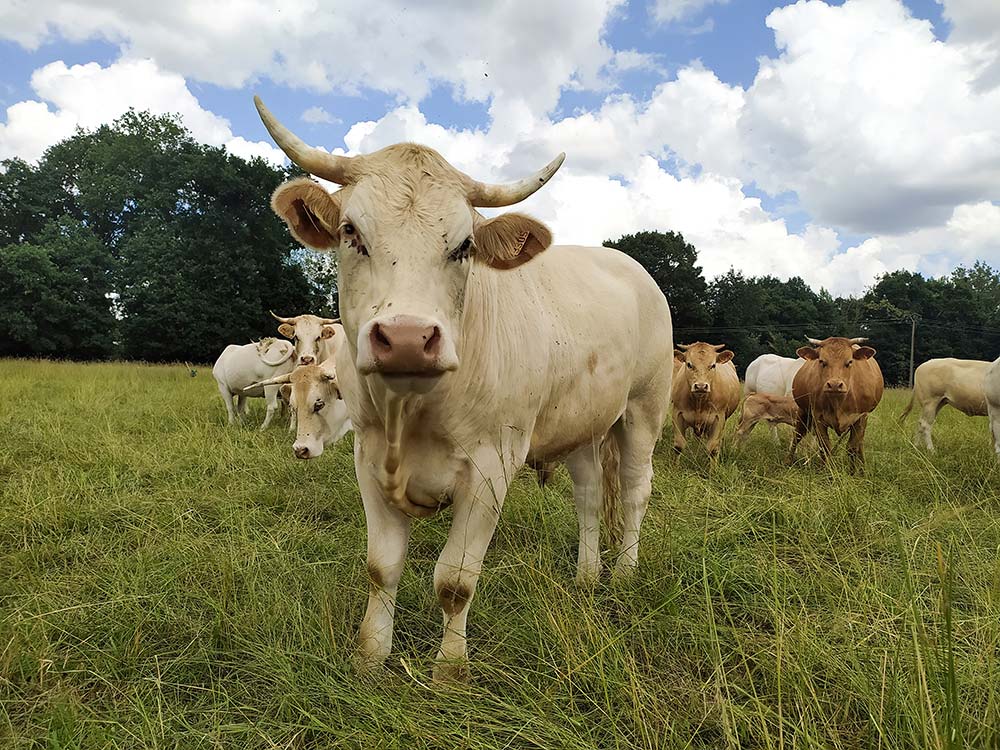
{"points": [[690, 366], [463, 251], [822, 363], [712, 367], [318, 406], [848, 363], [349, 229]]}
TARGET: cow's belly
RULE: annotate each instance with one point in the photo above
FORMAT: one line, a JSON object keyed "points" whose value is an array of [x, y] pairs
{"points": [[583, 415]]}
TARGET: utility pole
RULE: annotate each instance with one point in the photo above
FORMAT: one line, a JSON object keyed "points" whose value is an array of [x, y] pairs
{"points": [[913, 338]]}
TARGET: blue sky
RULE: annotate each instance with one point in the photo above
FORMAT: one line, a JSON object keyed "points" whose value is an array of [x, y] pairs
{"points": [[832, 140]]}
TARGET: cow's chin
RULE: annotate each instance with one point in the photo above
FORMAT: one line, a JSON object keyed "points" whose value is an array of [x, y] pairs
{"points": [[409, 383]]}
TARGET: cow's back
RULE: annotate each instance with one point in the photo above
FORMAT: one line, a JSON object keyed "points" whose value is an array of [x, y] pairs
{"points": [[958, 381], [581, 331]]}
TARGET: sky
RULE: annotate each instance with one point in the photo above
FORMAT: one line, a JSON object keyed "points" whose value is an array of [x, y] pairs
{"points": [[834, 140]]}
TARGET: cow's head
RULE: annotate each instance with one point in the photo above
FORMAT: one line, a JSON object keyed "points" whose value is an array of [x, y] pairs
{"points": [[835, 358], [407, 235], [312, 391], [307, 331], [697, 364]]}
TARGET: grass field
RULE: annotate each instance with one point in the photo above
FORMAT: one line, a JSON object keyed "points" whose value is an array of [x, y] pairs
{"points": [[168, 582]]}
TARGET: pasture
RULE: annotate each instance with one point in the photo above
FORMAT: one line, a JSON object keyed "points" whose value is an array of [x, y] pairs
{"points": [[168, 582]]}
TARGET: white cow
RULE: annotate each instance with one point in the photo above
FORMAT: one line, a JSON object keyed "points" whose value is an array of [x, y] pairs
{"points": [[772, 375], [958, 382], [314, 336], [241, 366], [314, 395], [991, 387], [462, 360]]}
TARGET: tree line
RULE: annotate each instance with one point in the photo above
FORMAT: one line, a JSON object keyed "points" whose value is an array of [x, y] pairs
{"points": [[135, 241]]}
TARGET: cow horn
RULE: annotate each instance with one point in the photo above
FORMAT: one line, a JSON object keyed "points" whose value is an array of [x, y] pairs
{"points": [[331, 167], [281, 319], [814, 342], [486, 195], [682, 347], [276, 380], [858, 340], [718, 347], [328, 321]]}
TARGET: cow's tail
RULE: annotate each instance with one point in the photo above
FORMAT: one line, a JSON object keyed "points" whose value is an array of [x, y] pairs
{"points": [[909, 406], [611, 502]]}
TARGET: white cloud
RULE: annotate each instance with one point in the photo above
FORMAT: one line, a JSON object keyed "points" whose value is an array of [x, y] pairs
{"points": [[521, 50], [872, 121], [668, 11], [90, 95], [316, 115]]}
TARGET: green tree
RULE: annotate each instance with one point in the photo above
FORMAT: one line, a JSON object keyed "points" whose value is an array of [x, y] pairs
{"points": [[672, 263], [198, 256], [56, 294]]}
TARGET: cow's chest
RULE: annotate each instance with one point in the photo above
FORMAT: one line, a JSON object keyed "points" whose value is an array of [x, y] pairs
{"points": [[701, 420], [839, 420]]}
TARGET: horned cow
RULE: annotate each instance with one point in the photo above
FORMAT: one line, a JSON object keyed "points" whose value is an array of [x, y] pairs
{"points": [[837, 387], [472, 346], [706, 392]]}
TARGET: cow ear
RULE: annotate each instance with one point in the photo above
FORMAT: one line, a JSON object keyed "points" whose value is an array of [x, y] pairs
{"points": [[286, 392], [724, 356], [807, 352], [286, 330], [311, 213], [864, 352], [328, 332], [509, 240], [679, 356]]}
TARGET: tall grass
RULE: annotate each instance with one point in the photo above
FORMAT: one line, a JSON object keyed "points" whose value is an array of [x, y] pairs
{"points": [[168, 582]]}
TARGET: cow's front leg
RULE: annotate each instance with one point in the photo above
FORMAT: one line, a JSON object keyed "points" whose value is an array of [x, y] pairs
{"points": [[714, 442], [476, 512], [388, 536], [856, 445], [680, 426], [801, 425], [822, 440]]}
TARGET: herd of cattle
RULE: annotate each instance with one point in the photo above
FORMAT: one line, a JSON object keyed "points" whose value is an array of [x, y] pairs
{"points": [[470, 346]]}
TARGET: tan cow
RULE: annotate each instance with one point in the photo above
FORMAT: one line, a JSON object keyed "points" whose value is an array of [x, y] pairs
{"points": [[837, 387], [472, 346], [313, 336], [706, 392], [763, 407], [957, 382]]}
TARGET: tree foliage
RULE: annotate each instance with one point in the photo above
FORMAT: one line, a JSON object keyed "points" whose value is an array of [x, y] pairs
{"points": [[195, 258]]}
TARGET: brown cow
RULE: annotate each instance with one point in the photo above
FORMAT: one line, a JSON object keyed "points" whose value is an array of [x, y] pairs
{"points": [[837, 387], [706, 391], [763, 407]]}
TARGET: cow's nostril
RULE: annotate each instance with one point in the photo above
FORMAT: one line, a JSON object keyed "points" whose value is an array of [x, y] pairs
{"points": [[306, 360], [301, 452], [434, 341], [380, 338]]}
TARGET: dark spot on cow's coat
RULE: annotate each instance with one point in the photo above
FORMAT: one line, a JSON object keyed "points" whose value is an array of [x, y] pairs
{"points": [[454, 597], [375, 576]]}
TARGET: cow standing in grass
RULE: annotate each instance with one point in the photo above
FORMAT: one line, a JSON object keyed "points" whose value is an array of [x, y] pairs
{"points": [[473, 345], [957, 382], [239, 367], [706, 392], [837, 387], [991, 389]]}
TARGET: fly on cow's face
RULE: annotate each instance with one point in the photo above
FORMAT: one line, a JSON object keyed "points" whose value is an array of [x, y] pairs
{"points": [[462, 252]]}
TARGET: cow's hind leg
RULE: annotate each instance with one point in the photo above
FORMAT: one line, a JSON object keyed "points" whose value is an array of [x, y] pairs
{"points": [[585, 469], [928, 414], [271, 399], [227, 397], [637, 432], [476, 512]]}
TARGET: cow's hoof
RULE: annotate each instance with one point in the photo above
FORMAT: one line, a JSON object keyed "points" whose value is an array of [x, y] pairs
{"points": [[587, 578], [451, 672], [366, 665]]}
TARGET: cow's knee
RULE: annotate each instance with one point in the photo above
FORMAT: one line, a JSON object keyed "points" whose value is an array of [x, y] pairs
{"points": [[454, 592]]}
